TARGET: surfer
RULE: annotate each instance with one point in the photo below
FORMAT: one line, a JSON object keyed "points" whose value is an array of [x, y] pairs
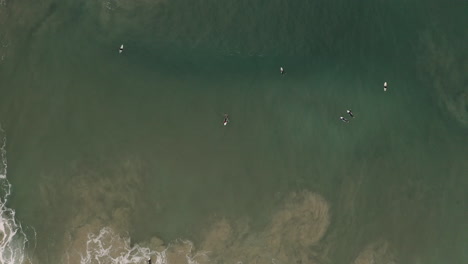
{"points": [[149, 261], [385, 86], [350, 113], [226, 119], [121, 48], [282, 71], [344, 119]]}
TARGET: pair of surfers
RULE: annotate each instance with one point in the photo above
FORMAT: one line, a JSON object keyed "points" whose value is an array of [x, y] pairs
{"points": [[350, 113]]}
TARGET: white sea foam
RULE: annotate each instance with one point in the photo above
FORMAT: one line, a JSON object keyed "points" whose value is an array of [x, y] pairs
{"points": [[13, 241], [110, 247]]}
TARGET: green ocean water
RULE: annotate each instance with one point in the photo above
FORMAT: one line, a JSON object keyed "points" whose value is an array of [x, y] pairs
{"points": [[103, 147]]}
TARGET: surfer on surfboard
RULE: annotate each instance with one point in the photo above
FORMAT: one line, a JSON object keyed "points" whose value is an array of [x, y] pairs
{"points": [[350, 113], [282, 71], [226, 119], [344, 119], [121, 48], [385, 86]]}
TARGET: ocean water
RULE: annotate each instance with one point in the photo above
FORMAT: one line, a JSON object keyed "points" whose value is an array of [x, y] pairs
{"points": [[118, 158]]}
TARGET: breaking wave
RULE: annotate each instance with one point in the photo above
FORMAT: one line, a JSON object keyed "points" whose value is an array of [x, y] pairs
{"points": [[13, 240], [111, 248], [108, 247]]}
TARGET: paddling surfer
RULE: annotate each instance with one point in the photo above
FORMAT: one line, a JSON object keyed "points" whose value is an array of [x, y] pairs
{"points": [[344, 119], [226, 119]]}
